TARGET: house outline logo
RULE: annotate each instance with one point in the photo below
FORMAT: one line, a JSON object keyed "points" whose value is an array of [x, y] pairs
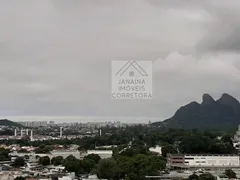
{"points": [[131, 79], [133, 64]]}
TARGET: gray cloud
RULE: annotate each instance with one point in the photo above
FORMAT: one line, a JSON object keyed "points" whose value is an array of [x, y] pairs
{"points": [[222, 35], [55, 56]]}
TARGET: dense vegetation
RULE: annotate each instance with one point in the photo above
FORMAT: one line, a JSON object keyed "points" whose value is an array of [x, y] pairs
{"points": [[19, 162], [117, 167], [5, 122], [204, 176], [132, 159], [4, 154], [143, 137]]}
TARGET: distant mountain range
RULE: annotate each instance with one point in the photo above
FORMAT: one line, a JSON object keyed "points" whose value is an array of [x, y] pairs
{"points": [[6, 122], [223, 113]]}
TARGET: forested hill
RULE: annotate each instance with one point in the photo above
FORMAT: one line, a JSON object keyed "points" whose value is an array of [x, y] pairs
{"points": [[223, 113], [5, 122]]}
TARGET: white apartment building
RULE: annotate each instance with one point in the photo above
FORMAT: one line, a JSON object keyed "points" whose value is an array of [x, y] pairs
{"points": [[236, 139], [237, 135], [33, 123]]}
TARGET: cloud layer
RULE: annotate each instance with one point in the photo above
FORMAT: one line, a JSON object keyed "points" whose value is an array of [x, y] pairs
{"points": [[55, 56]]}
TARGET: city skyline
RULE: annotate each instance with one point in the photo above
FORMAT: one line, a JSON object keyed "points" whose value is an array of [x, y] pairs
{"points": [[81, 119]]}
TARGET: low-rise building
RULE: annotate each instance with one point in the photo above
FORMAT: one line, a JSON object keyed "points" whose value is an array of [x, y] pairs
{"points": [[65, 153], [32, 157], [157, 149], [203, 161], [104, 154]]}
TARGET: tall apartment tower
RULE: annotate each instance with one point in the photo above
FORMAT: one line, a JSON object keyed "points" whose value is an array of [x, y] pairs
{"points": [[15, 132], [31, 136], [61, 133], [237, 135]]}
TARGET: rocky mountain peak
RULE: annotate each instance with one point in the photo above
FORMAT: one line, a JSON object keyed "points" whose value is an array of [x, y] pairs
{"points": [[207, 99], [228, 100]]}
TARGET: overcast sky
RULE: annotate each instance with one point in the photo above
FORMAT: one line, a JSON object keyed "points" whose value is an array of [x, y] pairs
{"points": [[55, 55]]}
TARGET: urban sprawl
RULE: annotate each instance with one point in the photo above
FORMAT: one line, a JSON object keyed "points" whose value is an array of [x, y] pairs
{"points": [[42, 150]]}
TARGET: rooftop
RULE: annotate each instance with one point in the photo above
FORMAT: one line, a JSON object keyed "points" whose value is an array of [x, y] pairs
{"points": [[99, 151]]}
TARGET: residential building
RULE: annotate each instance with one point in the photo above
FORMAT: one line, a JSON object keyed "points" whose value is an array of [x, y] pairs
{"points": [[33, 123]]}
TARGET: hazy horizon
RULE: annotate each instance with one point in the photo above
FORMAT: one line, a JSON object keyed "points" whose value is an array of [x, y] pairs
{"points": [[81, 119]]}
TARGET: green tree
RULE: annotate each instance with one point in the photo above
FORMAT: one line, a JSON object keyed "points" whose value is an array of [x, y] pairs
{"points": [[20, 178], [135, 149], [87, 165], [57, 160], [193, 177], [94, 157], [74, 166], [196, 143], [125, 164], [206, 176], [4, 154], [230, 173], [227, 138], [220, 147], [7, 132], [168, 149], [143, 166], [43, 149], [106, 169], [18, 162], [157, 162], [70, 158], [132, 176], [44, 160]]}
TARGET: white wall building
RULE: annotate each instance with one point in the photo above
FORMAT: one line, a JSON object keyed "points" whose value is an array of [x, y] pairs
{"points": [[102, 153], [180, 160], [157, 149], [208, 160], [65, 153]]}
